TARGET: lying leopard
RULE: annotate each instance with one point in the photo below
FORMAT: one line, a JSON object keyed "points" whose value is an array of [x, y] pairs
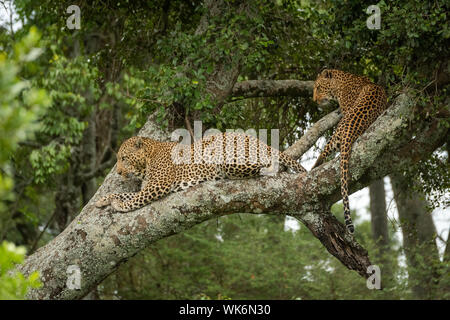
{"points": [[166, 167]]}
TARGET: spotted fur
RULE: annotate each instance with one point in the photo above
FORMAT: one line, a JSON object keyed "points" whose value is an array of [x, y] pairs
{"points": [[361, 102], [166, 167]]}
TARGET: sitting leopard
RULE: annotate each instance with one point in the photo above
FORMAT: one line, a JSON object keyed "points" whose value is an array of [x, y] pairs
{"points": [[361, 102], [166, 167]]}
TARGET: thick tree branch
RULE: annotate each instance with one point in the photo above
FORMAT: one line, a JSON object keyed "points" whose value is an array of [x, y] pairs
{"points": [[314, 133], [272, 88], [99, 240]]}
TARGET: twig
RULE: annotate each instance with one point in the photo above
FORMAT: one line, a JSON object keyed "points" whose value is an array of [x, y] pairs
{"points": [[188, 125], [33, 248]]}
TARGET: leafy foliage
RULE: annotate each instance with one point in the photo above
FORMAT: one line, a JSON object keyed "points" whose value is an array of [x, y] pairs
{"points": [[72, 86], [14, 286], [20, 104]]}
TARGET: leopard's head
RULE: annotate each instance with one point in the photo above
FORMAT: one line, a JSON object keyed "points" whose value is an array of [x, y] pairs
{"points": [[323, 86], [132, 157]]}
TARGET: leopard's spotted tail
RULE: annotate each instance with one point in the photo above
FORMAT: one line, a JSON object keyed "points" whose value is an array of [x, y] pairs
{"points": [[345, 157]]}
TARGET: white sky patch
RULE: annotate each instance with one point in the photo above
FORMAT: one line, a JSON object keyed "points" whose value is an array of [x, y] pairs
{"points": [[9, 17]]}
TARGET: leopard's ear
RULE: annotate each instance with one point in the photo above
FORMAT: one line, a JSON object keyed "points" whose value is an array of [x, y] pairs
{"points": [[138, 143], [326, 73]]}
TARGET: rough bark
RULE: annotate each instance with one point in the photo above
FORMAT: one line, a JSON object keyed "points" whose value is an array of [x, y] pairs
{"points": [[272, 88], [98, 241]]}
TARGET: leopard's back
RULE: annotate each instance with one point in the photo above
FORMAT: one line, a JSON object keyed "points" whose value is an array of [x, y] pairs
{"points": [[170, 167], [361, 102]]}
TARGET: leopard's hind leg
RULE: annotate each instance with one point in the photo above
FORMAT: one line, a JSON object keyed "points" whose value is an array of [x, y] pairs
{"points": [[331, 146]]}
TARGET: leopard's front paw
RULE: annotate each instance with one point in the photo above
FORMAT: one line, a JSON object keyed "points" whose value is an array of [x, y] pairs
{"points": [[119, 206], [104, 201]]}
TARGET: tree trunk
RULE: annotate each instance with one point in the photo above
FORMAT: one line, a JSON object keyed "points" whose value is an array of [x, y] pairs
{"points": [[66, 201], [419, 234], [447, 249], [379, 225], [378, 214], [447, 245], [89, 158]]}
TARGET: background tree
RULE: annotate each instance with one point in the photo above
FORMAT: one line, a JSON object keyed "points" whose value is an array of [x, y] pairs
{"points": [[419, 234], [380, 227]]}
